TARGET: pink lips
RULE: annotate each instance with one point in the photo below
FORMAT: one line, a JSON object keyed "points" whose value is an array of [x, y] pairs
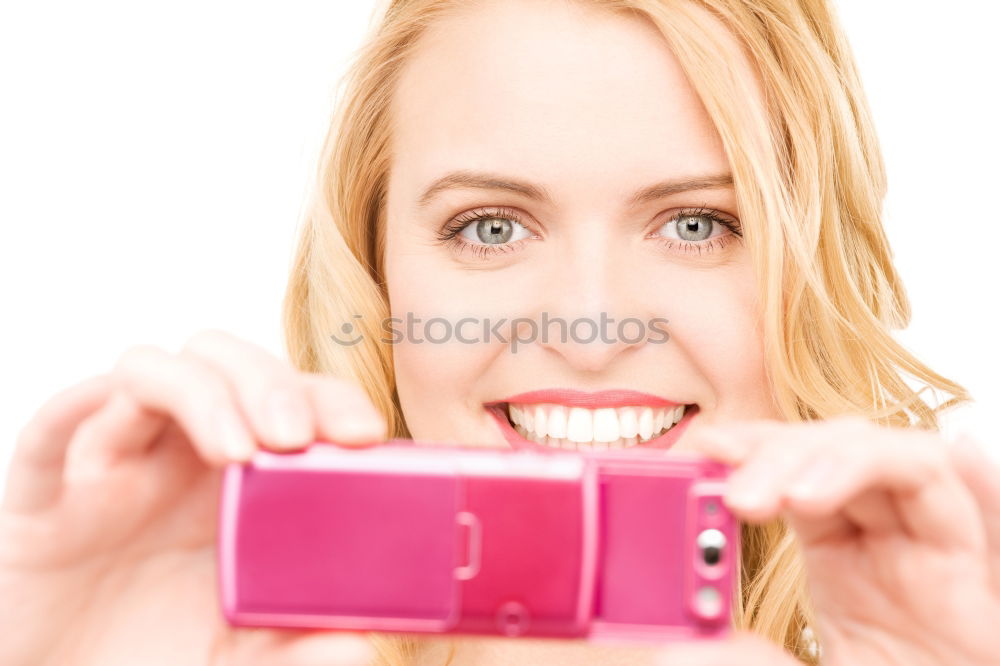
{"points": [[574, 398]]}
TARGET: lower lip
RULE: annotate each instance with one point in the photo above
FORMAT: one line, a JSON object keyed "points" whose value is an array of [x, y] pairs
{"points": [[664, 441]]}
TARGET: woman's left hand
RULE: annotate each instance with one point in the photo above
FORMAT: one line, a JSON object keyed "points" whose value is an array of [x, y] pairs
{"points": [[900, 533]]}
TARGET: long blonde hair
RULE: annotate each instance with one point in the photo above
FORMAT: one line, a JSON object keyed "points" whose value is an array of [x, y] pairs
{"points": [[809, 180]]}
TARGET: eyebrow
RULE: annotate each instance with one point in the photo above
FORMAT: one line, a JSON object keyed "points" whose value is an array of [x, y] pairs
{"points": [[464, 179]]}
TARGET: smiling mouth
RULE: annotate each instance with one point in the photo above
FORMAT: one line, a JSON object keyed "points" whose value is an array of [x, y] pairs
{"points": [[556, 426]]}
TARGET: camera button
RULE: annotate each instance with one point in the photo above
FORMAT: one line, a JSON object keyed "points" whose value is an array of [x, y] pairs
{"points": [[512, 618]]}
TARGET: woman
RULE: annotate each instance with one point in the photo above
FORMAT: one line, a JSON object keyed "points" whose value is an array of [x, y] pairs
{"points": [[708, 163]]}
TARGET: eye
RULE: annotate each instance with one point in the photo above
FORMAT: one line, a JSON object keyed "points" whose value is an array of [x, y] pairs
{"points": [[697, 231], [485, 232], [696, 226], [494, 230]]}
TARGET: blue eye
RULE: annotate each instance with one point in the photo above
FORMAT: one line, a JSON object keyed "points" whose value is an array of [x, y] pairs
{"points": [[485, 231], [697, 230], [494, 230], [695, 226]]}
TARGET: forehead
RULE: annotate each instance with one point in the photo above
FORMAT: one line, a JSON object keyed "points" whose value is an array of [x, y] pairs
{"points": [[548, 88]]}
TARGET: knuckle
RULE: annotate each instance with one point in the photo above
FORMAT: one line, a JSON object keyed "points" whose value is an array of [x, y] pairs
{"points": [[924, 451], [208, 393], [284, 386], [195, 356], [132, 357], [937, 459], [41, 425], [206, 339], [32, 431]]}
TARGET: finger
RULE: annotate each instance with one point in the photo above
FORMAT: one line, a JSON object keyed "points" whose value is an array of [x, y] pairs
{"points": [[257, 646], [742, 648], [274, 396], [765, 455], [34, 475], [911, 466], [120, 426], [981, 476], [737, 441], [734, 442], [271, 397], [753, 489], [874, 511], [193, 395], [776, 460], [327, 649], [344, 413], [829, 491]]}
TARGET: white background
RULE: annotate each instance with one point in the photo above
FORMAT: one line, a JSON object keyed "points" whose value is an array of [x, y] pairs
{"points": [[154, 159]]}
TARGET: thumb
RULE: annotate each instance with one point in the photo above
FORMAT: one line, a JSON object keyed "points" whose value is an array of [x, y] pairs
{"points": [[742, 648]]}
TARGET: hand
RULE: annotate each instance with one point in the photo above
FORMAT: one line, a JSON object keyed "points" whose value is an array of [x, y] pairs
{"points": [[900, 533], [108, 523]]}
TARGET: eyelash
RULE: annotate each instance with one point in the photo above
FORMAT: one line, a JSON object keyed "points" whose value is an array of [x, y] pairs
{"points": [[449, 235]]}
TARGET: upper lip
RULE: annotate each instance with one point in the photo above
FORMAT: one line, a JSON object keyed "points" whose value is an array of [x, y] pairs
{"points": [[590, 400]]}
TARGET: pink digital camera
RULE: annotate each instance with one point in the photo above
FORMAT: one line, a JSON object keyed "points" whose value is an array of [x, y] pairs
{"points": [[612, 545]]}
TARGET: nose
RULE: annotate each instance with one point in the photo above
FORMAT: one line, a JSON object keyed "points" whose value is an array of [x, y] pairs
{"points": [[593, 309]]}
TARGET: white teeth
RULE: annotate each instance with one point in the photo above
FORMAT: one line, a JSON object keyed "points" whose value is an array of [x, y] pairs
{"points": [[645, 423], [515, 415], [658, 419], [556, 421], [580, 425], [628, 422], [540, 426], [605, 425], [578, 428]]}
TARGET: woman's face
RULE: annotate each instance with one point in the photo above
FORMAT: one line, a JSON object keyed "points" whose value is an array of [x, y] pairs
{"points": [[580, 113]]}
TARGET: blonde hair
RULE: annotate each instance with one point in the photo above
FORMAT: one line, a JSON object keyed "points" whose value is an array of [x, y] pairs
{"points": [[810, 182]]}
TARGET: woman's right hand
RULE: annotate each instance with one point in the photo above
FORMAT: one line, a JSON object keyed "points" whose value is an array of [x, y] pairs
{"points": [[108, 523]]}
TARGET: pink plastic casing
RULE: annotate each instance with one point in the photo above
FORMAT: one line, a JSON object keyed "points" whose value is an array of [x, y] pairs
{"points": [[405, 537]]}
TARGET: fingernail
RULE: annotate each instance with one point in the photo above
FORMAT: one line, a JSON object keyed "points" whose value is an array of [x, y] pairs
{"points": [[289, 418], [814, 480], [236, 443]]}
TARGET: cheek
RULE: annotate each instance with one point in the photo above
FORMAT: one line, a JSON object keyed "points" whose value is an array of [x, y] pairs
{"points": [[717, 327], [432, 383], [436, 374]]}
